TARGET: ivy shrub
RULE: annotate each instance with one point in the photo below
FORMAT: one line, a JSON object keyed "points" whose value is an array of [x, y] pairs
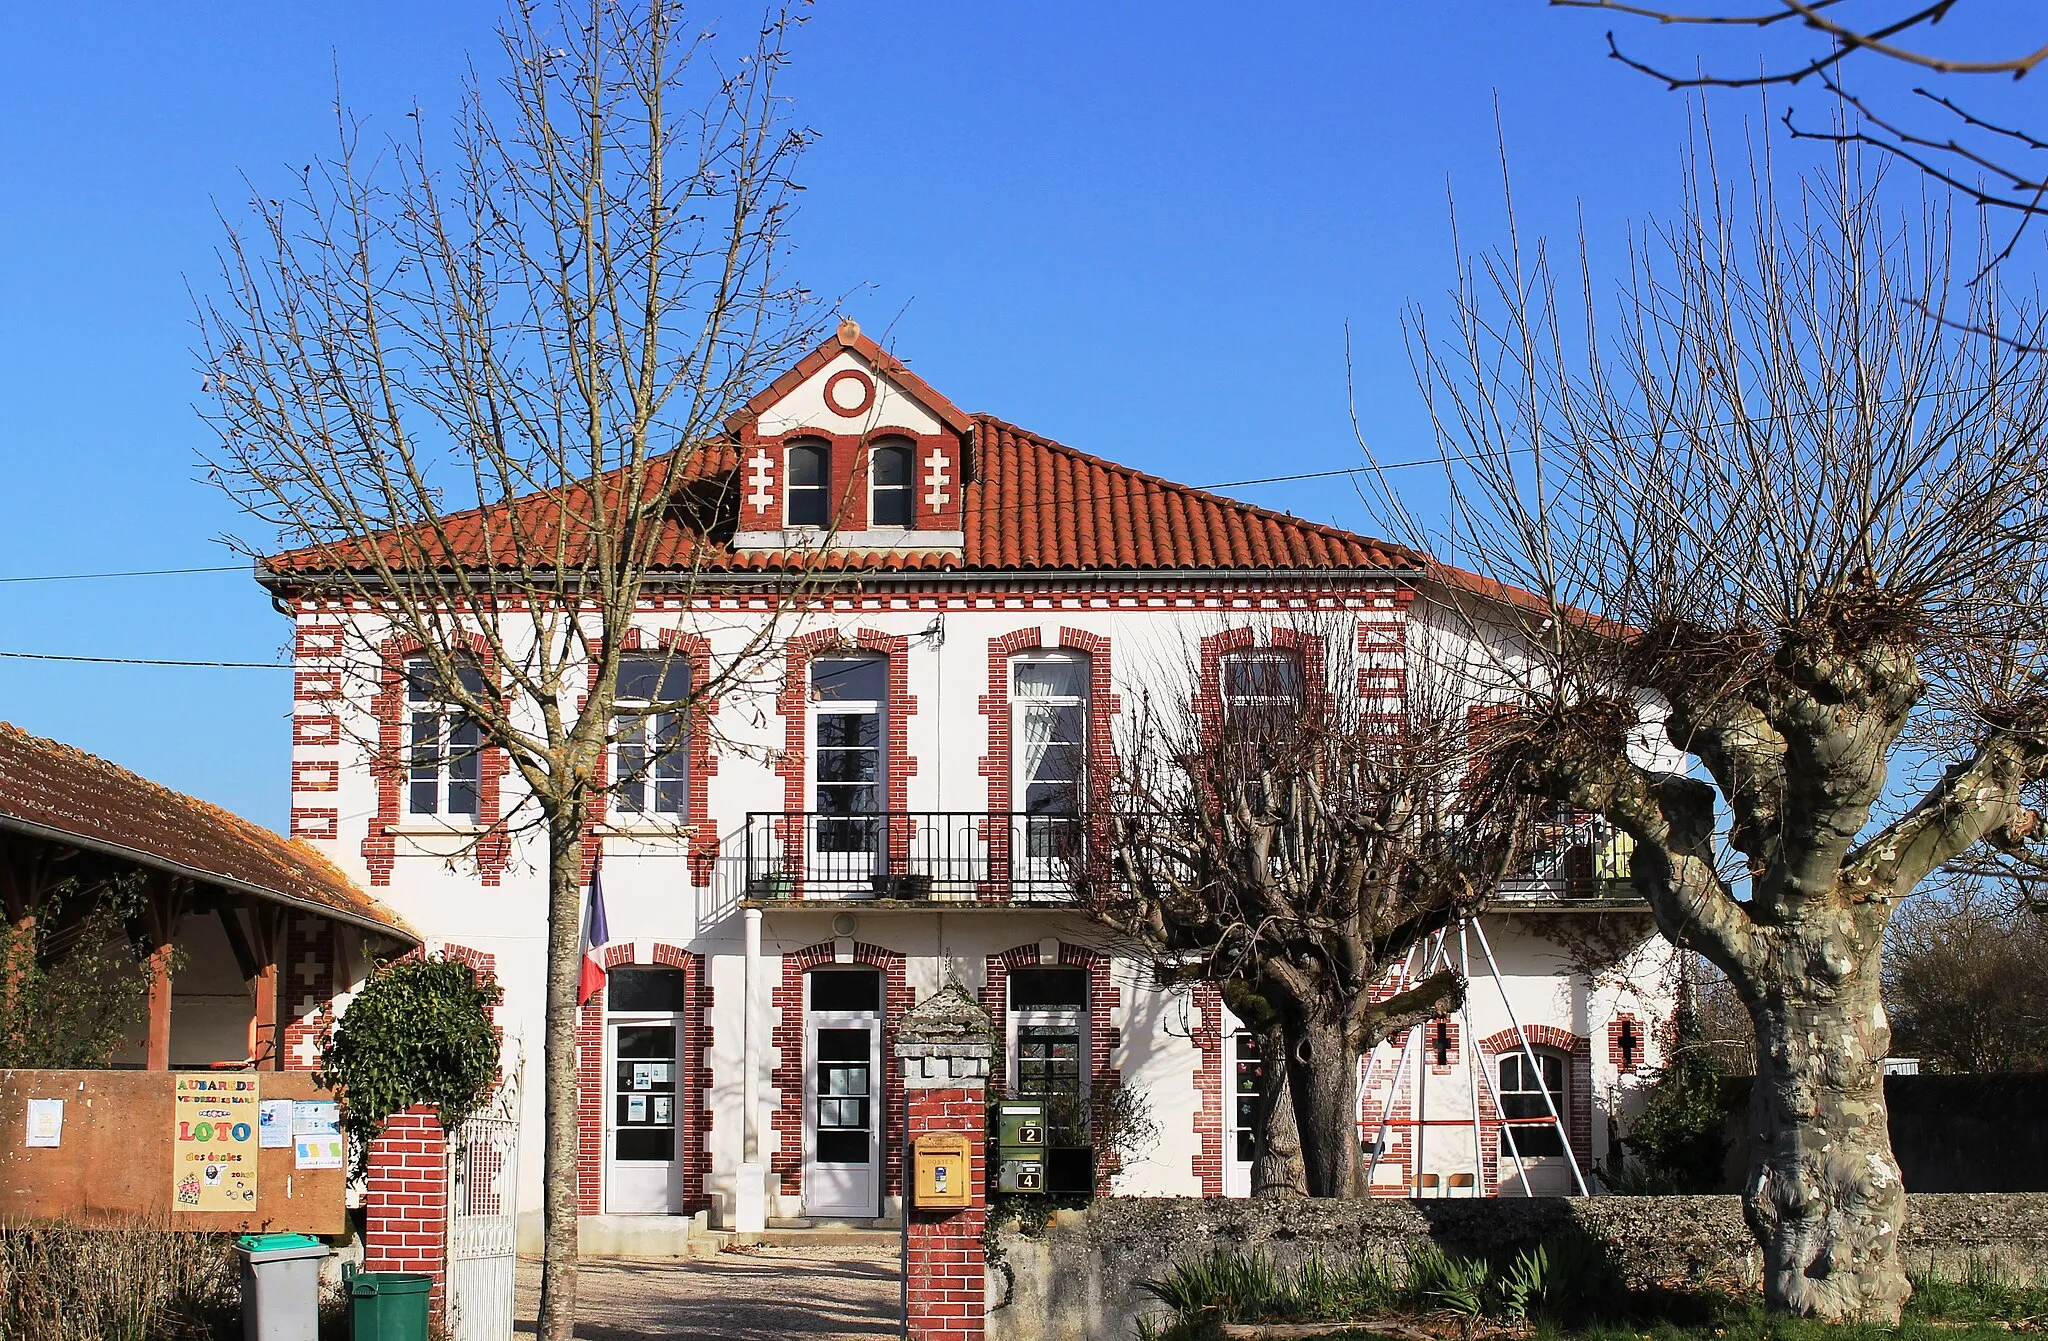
{"points": [[419, 1032], [1679, 1142]]}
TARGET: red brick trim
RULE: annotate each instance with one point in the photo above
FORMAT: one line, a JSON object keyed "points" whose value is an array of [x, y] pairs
{"points": [[1440, 1045], [308, 988], [1212, 1094], [321, 823], [1103, 1037], [387, 767], [1578, 1093], [1103, 705], [702, 833], [867, 390], [793, 767], [693, 1080], [788, 1000], [1628, 1044]]}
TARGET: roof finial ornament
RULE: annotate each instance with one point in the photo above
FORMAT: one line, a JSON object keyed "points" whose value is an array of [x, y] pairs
{"points": [[849, 330]]}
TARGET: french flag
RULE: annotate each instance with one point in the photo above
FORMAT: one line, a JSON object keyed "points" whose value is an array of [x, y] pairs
{"points": [[596, 935]]}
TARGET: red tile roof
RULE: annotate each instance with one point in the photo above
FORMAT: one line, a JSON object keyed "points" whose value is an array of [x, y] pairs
{"points": [[1032, 505], [59, 792]]}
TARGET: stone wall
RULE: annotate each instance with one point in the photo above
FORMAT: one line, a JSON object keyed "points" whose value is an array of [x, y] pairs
{"points": [[1081, 1277]]}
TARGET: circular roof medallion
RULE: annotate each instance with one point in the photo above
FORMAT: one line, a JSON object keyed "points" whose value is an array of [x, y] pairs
{"points": [[849, 392]]}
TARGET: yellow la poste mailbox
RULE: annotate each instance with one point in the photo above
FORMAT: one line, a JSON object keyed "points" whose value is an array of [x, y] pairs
{"points": [[944, 1173]]}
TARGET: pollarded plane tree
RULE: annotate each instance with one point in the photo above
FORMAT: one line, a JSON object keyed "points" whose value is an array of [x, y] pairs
{"points": [[1787, 505], [475, 397], [1279, 828]]}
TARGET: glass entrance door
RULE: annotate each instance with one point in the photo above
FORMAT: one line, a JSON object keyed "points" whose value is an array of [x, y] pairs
{"points": [[843, 1114], [1246, 1076], [643, 1164]]}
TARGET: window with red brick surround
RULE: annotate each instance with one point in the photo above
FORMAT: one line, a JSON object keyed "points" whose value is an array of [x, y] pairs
{"points": [[696, 822], [693, 1090], [794, 702], [1103, 1037], [997, 764], [788, 1118], [388, 767]]}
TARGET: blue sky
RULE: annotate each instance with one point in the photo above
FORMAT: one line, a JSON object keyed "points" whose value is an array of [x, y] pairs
{"points": [[1142, 229]]}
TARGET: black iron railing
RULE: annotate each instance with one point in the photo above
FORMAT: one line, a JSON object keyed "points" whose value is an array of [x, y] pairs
{"points": [[941, 855]]}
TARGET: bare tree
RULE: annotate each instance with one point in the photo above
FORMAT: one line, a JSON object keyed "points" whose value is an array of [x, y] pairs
{"points": [[1776, 514], [1294, 835], [1995, 163], [480, 403], [1963, 980]]}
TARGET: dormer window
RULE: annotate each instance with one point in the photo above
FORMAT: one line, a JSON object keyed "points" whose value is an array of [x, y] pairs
{"points": [[890, 502], [807, 490]]}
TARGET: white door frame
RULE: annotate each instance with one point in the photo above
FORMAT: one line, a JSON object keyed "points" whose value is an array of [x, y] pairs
{"points": [[850, 1204], [1237, 1174], [640, 1176], [845, 863]]}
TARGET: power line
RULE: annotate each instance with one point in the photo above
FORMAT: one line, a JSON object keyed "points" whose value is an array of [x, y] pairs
{"points": [[138, 572], [148, 661]]}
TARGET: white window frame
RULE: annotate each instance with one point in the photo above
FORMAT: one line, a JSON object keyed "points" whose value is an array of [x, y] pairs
{"points": [[790, 488], [1020, 758], [1076, 1020], [908, 488], [433, 723], [671, 767], [878, 709], [1236, 703]]}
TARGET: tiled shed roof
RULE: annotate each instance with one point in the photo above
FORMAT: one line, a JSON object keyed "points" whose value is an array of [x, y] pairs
{"points": [[57, 791], [1031, 505]]}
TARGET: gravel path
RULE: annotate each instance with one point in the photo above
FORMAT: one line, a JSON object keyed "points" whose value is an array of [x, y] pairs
{"points": [[760, 1295]]}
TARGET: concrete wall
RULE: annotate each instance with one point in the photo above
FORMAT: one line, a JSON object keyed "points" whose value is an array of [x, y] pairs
{"points": [[1082, 1277]]}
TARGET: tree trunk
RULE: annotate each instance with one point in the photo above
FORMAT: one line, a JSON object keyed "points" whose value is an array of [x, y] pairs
{"points": [[559, 1193], [1322, 1074], [1824, 1196], [1277, 1171]]}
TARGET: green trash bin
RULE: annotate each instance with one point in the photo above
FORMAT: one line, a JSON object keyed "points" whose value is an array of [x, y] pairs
{"points": [[388, 1305]]}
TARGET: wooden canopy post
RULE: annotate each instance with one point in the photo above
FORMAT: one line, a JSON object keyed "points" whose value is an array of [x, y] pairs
{"points": [[255, 948], [161, 904]]}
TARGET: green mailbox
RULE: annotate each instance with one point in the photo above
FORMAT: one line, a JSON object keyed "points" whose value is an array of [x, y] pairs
{"points": [[1020, 1129], [1020, 1146]]}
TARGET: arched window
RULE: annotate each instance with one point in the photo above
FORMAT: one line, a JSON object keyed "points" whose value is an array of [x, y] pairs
{"points": [[444, 748], [890, 499], [1522, 1089], [650, 751], [806, 492]]}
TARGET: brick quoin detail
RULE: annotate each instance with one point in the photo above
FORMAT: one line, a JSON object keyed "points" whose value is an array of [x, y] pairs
{"points": [[1440, 1045], [702, 834], [788, 1040], [1578, 1086], [405, 1199], [1627, 1042], [947, 1266], [1103, 1037], [318, 822], [794, 704], [1103, 705], [380, 846], [693, 1080], [308, 989], [1208, 1038]]}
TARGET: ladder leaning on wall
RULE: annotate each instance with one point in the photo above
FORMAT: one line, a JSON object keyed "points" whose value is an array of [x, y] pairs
{"points": [[1435, 956]]}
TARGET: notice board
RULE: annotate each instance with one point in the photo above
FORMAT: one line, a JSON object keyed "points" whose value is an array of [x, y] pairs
{"points": [[173, 1149]]}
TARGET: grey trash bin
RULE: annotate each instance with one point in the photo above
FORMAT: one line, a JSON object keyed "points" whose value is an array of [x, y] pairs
{"points": [[280, 1286]]}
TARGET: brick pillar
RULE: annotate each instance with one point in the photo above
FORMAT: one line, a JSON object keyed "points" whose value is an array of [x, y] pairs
{"points": [[405, 1205], [943, 1045]]}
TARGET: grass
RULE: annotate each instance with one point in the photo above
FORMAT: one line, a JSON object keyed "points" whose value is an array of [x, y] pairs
{"points": [[1562, 1291], [64, 1283]]}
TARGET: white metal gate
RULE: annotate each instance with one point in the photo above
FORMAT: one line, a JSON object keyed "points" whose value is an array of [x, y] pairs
{"points": [[483, 1220]]}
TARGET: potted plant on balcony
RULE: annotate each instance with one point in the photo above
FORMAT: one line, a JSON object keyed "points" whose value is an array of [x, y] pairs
{"points": [[774, 885]]}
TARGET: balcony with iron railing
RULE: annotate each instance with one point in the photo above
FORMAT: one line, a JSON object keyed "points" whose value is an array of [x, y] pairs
{"points": [[1017, 858], [925, 856]]}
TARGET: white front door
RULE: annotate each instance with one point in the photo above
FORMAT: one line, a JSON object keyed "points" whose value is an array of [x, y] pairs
{"points": [[643, 1171], [1244, 1074], [842, 1115]]}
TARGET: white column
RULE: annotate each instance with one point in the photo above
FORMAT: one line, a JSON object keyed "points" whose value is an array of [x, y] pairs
{"points": [[750, 1192]]}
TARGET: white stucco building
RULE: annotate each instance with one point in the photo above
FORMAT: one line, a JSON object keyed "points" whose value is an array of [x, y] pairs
{"points": [[868, 819]]}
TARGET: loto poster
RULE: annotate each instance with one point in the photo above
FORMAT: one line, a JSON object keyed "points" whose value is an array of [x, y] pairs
{"points": [[213, 1151]]}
